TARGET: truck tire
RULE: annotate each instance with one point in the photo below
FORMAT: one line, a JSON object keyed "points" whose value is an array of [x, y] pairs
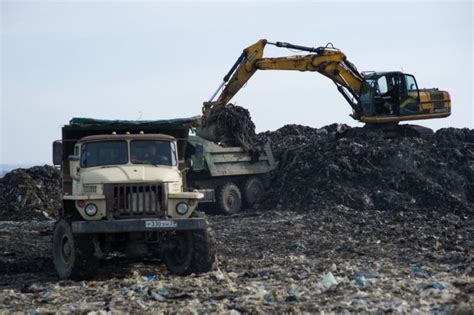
{"points": [[73, 255], [229, 199], [205, 253], [195, 251], [253, 191], [178, 255]]}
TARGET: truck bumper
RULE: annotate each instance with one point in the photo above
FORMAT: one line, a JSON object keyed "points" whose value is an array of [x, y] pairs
{"points": [[137, 225]]}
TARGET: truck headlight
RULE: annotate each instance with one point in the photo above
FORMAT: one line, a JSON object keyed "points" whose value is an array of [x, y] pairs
{"points": [[182, 208], [91, 209]]}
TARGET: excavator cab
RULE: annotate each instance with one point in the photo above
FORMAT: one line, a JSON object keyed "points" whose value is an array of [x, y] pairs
{"points": [[389, 93], [394, 96]]}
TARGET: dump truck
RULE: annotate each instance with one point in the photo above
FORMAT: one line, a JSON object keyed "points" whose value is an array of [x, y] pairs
{"points": [[229, 177], [123, 192]]}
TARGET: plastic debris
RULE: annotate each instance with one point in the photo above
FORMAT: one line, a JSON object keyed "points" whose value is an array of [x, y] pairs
{"points": [[4, 226], [419, 271], [437, 286], [360, 280], [327, 281]]}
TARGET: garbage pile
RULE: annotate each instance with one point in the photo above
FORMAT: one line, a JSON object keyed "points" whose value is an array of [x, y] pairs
{"points": [[232, 126], [358, 168], [33, 193]]}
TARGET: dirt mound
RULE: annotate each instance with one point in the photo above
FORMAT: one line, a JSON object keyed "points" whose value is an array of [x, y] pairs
{"points": [[357, 168], [33, 193]]}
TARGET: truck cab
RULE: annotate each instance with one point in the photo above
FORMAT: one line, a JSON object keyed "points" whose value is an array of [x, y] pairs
{"points": [[130, 176]]}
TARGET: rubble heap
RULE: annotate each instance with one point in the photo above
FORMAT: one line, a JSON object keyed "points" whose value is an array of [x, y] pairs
{"points": [[33, 193], [358, 168]]}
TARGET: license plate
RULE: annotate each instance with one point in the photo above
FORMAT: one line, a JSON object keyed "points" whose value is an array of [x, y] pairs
{"points": [[160, 224]]}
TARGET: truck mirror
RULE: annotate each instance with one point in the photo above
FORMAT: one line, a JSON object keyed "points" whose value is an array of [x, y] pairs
{"points": [[74, 167], [57, 152], [189, 163]]}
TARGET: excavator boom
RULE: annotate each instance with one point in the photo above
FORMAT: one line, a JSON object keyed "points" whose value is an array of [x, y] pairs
{"points": [[330, 62]]}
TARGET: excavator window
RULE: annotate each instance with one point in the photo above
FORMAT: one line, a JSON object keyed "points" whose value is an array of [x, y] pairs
{"points": [[410, 104], [367, 96], [382, 94], [382, 87], [411, 83]]}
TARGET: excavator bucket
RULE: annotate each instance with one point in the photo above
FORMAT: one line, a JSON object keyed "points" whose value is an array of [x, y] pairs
{"points": [[208, 132], [228, 125]]}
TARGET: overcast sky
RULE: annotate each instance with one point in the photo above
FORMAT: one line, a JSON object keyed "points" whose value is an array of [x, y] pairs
{"points": [[151, 60]]}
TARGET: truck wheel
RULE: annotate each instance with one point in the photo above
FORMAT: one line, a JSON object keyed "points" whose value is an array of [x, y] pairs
{"points": [[205, 254], [178, 254], [190, 252], [73, 255], [229, 199], [253, 191]]}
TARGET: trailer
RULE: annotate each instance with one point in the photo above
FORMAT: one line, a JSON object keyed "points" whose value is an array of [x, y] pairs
{"points": [[231, 177]]}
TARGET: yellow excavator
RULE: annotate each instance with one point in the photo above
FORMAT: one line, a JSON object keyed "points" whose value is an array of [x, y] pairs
{"points": [[379, 99]]}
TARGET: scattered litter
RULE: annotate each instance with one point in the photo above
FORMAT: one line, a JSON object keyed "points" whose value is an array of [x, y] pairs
{"points": [[360, 280], [327, 281], [4, 226], [419, 271], [437, 286]]}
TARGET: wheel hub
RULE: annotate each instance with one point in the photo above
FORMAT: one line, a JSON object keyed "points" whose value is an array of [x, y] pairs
{"points": [[230, 200], [66, 249], [255, 192]]}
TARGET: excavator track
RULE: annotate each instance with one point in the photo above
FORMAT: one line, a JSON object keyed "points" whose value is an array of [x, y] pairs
{"points": [[394, 130]]}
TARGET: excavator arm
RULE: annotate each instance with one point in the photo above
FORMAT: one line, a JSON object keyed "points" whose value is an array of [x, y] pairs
{"points": [[328, 61]]}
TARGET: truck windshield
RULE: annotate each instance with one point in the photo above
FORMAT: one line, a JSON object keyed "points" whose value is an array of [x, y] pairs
{"points": [[104, 153], [153, 152]]}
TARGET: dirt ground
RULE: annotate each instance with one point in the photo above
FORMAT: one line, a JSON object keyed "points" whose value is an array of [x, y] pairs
{"points": [[329, 260]]}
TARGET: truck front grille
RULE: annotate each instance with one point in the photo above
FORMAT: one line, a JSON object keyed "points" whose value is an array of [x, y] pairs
{"points": [[135, 200]]}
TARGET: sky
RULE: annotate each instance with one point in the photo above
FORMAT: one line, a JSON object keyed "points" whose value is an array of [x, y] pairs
{"points": [[158, 60]]}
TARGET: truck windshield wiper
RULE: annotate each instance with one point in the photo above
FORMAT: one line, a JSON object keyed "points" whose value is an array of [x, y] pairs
{"points": [[145, 162]]}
